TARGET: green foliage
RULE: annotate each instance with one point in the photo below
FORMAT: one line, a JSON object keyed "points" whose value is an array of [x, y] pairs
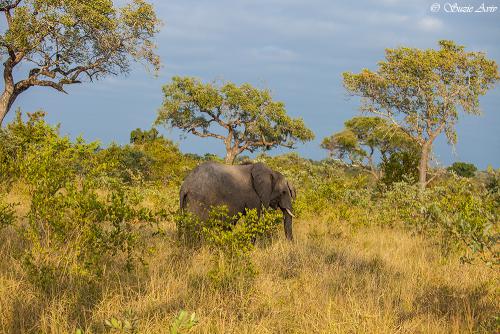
{"points": [[121, 326], [17, 138], [150, 158], [169, 165], [463, 169], [83, 231], [77, 221], [231, 240], [493, 182], [343, 145], [366, 138], [129, 163], [7, 214], [139, 136], [400, 166], [183, 322], [221, 233], [249, 116], [234, 235], [462, 214], [469, 216]]}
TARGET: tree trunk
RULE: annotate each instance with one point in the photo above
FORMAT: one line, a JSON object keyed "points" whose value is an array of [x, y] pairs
{"points": [[229, 159], [231, 155], [6, 101], [424, 162]]}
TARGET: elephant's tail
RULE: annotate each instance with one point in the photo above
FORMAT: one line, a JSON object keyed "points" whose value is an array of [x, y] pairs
{"points": [[183, 200]]}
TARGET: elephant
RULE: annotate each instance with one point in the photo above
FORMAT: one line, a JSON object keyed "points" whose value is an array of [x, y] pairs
{"points": [[239, 187]]}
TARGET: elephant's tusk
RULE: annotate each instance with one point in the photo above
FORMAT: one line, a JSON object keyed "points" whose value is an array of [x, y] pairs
{"points": [[290, 212]]}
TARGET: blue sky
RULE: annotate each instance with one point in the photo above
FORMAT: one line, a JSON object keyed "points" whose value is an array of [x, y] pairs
{"points": [[298, 49]]}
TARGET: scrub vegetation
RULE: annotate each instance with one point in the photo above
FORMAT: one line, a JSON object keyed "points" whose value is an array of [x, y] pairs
{"points": [[91, 241]]}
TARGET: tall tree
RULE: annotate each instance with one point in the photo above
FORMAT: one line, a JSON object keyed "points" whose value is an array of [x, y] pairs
{"points": [[62, 42], [365, 138], [243, 117], [422, 91]]}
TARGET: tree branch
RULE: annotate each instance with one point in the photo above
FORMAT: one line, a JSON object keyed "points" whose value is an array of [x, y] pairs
{"points": [[6, 5], [438, 173], [205, 134]]}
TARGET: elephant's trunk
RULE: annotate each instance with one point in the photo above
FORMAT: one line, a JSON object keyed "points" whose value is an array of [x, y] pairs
{"points": [[287, 220]]}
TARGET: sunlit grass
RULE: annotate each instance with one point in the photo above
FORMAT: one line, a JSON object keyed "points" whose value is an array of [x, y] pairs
{"points": [[333, 279]]}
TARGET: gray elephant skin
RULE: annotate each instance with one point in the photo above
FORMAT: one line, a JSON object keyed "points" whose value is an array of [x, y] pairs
{"points": [[239, 187]]}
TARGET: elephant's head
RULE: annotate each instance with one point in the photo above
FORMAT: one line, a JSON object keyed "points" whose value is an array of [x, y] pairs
{"points": [[275, 192]]}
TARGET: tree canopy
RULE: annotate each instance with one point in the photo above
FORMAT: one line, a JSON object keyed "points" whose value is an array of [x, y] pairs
{"points": [[243, 117], [139, 136], [62, 42], [363, 138], [463, 169], [422, 91]]}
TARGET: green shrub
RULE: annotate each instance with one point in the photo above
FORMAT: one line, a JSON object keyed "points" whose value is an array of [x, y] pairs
{"points": [[460, 213], [76, 233], [232, 235], [131, 165], [17, 138], [157, 159], [463, 169], [78, 220], [7, 215], [139, 136], [469, 216], [492, 183], [183, 322], [400, 166], [230, 239]]}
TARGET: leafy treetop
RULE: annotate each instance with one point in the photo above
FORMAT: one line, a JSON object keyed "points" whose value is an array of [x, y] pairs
{"points": [[422, 91], [363, 137], [247, 117], [62, 42]]}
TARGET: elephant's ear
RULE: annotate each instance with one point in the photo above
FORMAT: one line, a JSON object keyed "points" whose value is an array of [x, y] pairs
{"points": [[292, 190], [262, 178]]}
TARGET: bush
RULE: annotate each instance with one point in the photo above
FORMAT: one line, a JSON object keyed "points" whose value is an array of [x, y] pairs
{"points": [[231, 239], [234, 235], [17, 138], [79, 218], [7, 216], [155, 159], [463, 169], [75, 234], [400, 166], [130, 165], [468, 216], [460, 213]]}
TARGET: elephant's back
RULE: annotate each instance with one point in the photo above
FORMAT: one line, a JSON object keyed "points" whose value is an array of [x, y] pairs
{"points": [[217, 174], [215, 184]]}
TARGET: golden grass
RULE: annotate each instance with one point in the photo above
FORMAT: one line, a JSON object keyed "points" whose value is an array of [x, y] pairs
{"points": [[331, 280]]}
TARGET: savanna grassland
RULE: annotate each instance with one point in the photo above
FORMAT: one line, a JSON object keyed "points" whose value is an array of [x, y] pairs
{"points": [[91, 242], [92, 239]]}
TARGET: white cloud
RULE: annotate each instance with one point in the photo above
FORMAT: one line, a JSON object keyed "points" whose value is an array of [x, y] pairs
{"points": [[273, 53], [429, 24]]}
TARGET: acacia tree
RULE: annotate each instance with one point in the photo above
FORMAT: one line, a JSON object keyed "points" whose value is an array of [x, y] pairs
{"points": [[365, 137], [62, 42], [243, 117], [422, 91]]}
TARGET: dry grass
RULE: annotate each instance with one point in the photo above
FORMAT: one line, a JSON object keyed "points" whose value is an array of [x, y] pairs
{"points": [[331, 280]]}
